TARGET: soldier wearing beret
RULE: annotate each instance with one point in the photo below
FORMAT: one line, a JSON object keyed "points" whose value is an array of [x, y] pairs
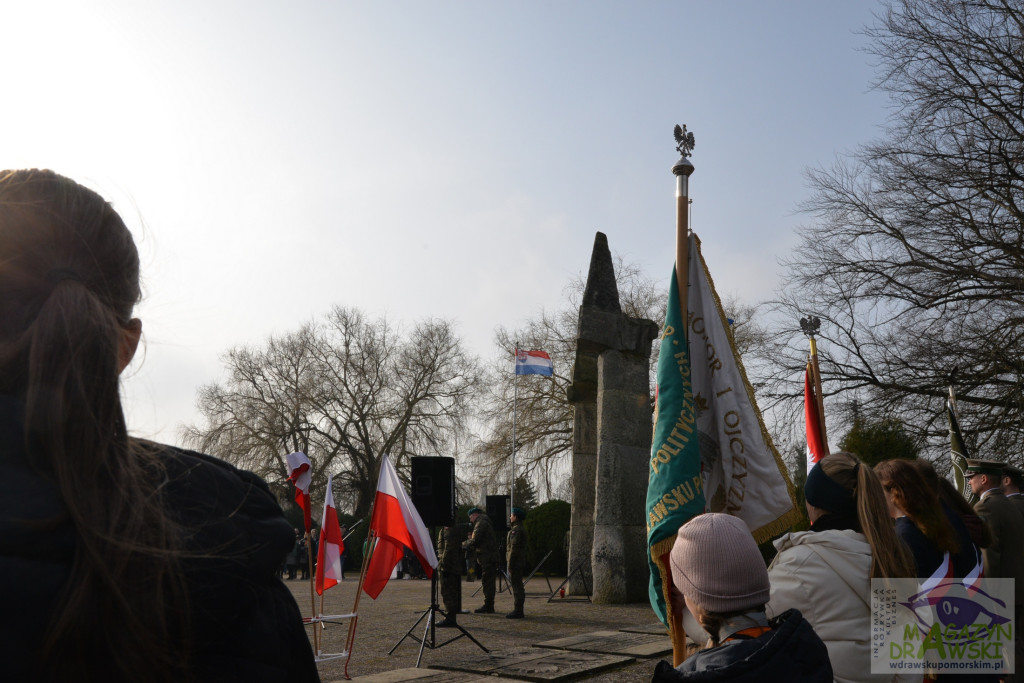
{"points": [[515, 556], [484, 543], [1004, 558]]}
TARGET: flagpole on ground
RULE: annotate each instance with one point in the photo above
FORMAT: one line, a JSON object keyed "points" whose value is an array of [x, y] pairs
{"points": [[367, 551], [368, 545], [312, 590], [682, 170], [319, 614], [300, 474], [515, 401]]}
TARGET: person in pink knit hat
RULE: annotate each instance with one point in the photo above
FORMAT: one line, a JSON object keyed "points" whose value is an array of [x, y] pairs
{"points": [[720, 585]]}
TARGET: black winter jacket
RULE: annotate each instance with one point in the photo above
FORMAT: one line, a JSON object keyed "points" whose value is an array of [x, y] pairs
{"points": [[791, 651], [245, 624]]}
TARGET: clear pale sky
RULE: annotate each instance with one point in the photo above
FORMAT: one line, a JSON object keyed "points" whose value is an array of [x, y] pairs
{"points": [[449, 159]]}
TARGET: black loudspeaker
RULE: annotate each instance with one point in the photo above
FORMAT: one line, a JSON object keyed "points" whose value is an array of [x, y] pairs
{"points": [[497, 510], [433, 490]]}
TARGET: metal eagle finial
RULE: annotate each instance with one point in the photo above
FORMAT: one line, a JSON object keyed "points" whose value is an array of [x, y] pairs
{"points": [[810, 325], [684, 140]]}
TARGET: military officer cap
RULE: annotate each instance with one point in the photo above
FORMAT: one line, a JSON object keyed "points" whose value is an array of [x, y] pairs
{"points": [[519, 512], [1015, 474], [990, 467], [474, 511]]}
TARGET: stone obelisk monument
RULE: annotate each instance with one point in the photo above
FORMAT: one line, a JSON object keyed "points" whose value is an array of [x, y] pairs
{"points": [[610, 393]]}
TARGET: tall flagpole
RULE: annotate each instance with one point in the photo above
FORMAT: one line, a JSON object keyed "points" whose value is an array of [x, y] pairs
{"points": [[810, 326], [515, 401], [682, 170]]}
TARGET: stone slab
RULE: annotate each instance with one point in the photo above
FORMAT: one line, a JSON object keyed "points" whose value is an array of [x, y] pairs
{"points": [[535, 664], [425, 676], [657, 628], [614, 643]]}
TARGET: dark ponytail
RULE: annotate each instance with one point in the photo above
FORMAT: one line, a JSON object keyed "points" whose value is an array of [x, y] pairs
{"points": [[69, 277]]}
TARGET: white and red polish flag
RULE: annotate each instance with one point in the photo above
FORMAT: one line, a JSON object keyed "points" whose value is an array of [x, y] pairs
{"points": [[815, 444], [328, 557], [300, 474], [397, 526]]}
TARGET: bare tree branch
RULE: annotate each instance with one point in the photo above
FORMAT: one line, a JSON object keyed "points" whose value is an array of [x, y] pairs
{"points": [[345, 391]]}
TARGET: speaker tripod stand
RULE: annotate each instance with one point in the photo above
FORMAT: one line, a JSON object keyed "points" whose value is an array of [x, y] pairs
{"points": [[429, 636]]}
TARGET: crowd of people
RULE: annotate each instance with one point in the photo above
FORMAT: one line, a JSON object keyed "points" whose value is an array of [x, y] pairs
{"points": [[177, 555], [807, 616]]}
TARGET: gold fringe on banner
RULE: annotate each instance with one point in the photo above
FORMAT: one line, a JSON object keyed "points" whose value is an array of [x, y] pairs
{"points": [[782, 524]]}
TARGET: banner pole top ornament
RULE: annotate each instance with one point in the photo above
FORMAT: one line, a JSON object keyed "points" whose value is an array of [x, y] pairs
{"points": [[810, 326], [684, 145]]}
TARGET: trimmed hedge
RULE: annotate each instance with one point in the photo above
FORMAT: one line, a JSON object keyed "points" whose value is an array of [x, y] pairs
{"points": [[547, 526]]}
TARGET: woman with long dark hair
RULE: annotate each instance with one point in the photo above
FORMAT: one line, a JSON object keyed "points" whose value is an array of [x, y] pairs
{"points": [[953, 501], [932, 533], [120, 560]]}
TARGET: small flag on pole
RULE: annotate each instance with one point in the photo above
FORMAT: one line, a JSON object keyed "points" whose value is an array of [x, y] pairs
{"points": [[533, 363], [396, 525], [815, 444], [328, 561], [299, 474]]}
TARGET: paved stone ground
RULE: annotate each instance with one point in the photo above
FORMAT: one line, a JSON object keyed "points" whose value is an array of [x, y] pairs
{"points": [[382, 623]]}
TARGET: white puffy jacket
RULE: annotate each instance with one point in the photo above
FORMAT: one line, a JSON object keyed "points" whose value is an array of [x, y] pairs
{"points": [[827, 576]]}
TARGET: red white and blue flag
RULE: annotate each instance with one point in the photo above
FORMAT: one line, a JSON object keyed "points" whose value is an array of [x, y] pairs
{"points": [[299, 473], [533, 363]]}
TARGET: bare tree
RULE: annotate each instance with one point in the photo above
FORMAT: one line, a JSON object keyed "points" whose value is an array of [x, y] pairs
{"points": [[544, 415], [544, 425], [345, 391], [915, 261]]}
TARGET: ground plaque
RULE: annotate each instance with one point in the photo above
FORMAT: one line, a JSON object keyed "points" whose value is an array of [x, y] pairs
{"points": [[426, 676], [657, 628], [614, 642], [534, 664]]}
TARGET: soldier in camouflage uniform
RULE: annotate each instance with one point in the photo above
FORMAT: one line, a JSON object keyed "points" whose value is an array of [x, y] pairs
{"points": [[449, 563], [515, 555], [483, 541]]}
